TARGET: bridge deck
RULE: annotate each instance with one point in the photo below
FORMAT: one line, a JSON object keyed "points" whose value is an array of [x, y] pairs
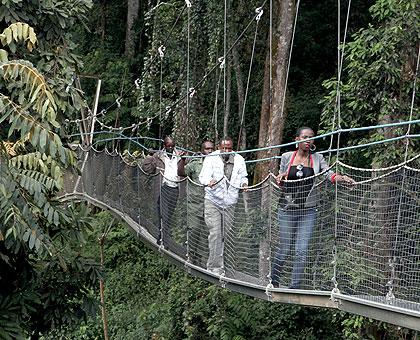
{"points": [[400, 312]]}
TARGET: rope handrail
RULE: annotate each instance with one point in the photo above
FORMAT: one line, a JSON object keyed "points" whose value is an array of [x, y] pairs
{"points": [[110, 178]]}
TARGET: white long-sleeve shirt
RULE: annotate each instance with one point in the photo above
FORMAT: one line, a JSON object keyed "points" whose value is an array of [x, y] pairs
{"points": [[225, 192]]}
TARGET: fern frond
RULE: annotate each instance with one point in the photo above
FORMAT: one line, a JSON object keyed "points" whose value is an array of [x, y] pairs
{"points": [[41, 138], [39, 96], [19, 32]]}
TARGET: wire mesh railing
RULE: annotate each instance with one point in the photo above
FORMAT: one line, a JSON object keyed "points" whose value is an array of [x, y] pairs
{"points": [[280, 236]]}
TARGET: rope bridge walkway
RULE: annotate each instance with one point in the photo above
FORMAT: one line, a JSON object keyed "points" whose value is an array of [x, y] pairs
{"points": [[363, 254]]}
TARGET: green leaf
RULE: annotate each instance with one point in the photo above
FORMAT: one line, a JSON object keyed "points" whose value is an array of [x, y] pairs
{"points": [[43, 140], [3, 55], [32, 238]]}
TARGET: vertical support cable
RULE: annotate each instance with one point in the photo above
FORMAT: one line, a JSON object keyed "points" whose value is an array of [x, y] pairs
{"points": [[187, 242], [393, 260], [290, 58], [270, 38], [161, 49], [260, 12], [214, 118], [340, 69], [225, 57], [270, 216], [338, 102], [188, 68], [270, 100], [160, 240], [413, 97]]}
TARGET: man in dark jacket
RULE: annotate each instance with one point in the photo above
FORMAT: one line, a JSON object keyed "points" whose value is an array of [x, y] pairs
{"points": [[170, 164]]}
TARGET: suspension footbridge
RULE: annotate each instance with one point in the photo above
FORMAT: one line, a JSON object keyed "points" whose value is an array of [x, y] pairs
{"points": [[364, 253]]}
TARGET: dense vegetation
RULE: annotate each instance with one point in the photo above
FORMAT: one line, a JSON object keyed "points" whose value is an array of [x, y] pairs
{"points": [[147, 298], [52, 53]]}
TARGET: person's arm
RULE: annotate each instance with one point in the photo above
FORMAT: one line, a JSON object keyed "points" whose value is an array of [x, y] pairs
{"points": [[181, 163], [149, 165], [206, 173], [331, 175], [190, 168], [243, 174], [284, 164]]}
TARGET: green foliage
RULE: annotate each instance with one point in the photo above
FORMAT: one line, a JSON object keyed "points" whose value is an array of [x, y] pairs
{"points": [[147, 298], [45, 277], [54, 56], [17, 32], [378, 77]]}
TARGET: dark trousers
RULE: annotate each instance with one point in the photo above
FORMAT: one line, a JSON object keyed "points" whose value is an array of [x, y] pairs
{"points": [[166, 206]]}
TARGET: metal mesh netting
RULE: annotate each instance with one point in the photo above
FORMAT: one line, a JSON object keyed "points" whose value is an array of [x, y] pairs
{"points": [[307, 234]]}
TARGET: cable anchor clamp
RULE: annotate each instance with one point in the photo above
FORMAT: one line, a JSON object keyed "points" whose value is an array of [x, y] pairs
{"points": [[137, 83], [334, 291], [222, 62], [161, 51], [192, 92], [70, 84], [259, 12]]}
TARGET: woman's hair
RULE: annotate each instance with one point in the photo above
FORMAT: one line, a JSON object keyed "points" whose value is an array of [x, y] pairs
{"points": [[299, 130]]}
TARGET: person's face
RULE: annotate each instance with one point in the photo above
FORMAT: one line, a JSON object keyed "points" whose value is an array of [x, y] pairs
{"points": [[169, 146], [305, 134], [207, 148], [226, 146]]}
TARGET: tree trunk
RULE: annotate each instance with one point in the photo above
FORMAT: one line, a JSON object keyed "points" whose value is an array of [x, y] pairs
{"points": [[132, 15], [273, 118], [241, 99], [228, 96], [103, 20], [102, 289]]}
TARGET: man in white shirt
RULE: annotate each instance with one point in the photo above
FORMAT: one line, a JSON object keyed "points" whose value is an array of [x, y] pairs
{"points": [[171, 164], [223, 174]]}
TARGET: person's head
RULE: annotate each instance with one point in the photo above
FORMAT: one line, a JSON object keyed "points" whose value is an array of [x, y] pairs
{"points": [[169, 144], [304, 133], [207, 147], [226, 145]]}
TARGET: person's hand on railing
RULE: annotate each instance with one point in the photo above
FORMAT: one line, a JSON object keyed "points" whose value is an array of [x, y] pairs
{"points": [[344, 179], [281, 177], [212, 183]]}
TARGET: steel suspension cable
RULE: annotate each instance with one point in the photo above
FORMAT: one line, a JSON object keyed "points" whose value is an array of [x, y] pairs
{"points": [[224, 56], [249, 77], [188, 69], [335, 251], [340, 68], [393, 260], [289, 58]]}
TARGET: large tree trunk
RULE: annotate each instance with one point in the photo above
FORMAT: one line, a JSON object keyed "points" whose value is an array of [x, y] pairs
{"points": [[132, 15], [241, 98], [103, 20], [273, 118], [228, 97]]}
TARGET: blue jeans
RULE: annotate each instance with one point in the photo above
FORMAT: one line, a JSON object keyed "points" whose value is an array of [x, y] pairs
{"points": [[298, 222]]}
